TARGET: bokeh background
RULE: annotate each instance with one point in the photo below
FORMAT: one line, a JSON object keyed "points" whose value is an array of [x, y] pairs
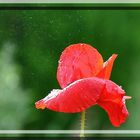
{"points": [[31, 42]]}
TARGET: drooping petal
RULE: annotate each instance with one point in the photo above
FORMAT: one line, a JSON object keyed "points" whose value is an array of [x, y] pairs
{"points": [[76, 97], [112, 100], [107, 68], [78, 61]]}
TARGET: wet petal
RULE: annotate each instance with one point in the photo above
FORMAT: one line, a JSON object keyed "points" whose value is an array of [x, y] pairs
{"points": [[112, 100], [107, 67], [78, 61], [76, 97], [85, 93]]}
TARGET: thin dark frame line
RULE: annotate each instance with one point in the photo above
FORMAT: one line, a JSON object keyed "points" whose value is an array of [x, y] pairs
{"points": [[69, 7]]}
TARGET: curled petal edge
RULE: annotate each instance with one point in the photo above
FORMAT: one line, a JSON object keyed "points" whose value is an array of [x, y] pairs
{"points": [[112, 100], [107, 67]]}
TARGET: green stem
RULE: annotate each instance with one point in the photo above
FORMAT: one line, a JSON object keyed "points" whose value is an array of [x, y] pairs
{"points": [[83, 116]]}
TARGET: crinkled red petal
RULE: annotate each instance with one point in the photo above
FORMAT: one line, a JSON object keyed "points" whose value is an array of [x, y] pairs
{"points": [[112, 100], [76, 97], [87, 92], [78, 61], [107, 68]]}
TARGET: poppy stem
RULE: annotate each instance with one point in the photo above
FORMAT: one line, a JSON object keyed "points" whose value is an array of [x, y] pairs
{"points": [[83, 116]]}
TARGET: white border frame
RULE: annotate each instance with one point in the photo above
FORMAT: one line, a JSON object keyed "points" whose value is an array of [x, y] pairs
{"points": [[69, 1], [69, 132]]}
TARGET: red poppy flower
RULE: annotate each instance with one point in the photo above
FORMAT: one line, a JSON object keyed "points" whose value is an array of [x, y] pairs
{"points": [[83, 78]]}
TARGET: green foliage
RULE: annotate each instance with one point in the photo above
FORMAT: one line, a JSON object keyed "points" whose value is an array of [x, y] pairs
{"points": [[14, 99], [39, 38]]}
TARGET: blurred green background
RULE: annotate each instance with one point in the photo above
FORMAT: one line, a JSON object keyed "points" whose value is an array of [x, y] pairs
{"points": [[31, 42]]}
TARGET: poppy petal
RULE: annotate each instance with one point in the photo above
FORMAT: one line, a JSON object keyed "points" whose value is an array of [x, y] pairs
{"points": [[107, 68], [87, 92], [112, 100], [76, 97], [78, 61]]}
